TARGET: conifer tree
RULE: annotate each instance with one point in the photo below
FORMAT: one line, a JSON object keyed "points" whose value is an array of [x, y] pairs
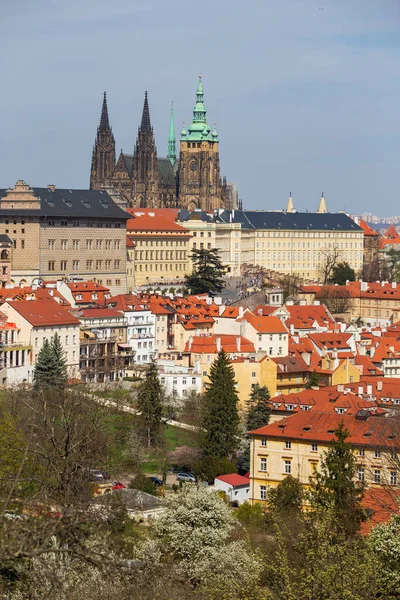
{"points": [[208, 272], [258, 408], [60, 375], [312, 381], [149, 404], [221, 418], [334, 487], [45, 368]]}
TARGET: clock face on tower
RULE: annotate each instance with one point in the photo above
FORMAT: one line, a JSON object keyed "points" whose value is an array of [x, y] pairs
{"points": [[193, 165]]}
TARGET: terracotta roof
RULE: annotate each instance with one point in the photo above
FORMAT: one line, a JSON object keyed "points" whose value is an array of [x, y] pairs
{"points": [[291, 364], [265, 324], [368, 367], [234, 479], [265, 310], [99, 313], [305, 317], [130, 243], [44, 313], [86, 286], [391, 232], [382, 503], [367, 229], [27, 292], [156, 224], [331, 341], [167, 213], [327, 399], [320, 426], [207, 344]]}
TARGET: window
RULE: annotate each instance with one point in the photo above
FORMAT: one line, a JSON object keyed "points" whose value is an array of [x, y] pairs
{"points": [[314, 447], [66, 340], [264, 442], [288, 445], [75, 265], [51, 265], [263, 464], [89, 265], [89, 244], [74, 339], [287, 467], [361, 452], [360, 474], [64, 223], [99, 264], [263, 492], [377, 453], [64, 244], [377, 476], [75, 244], [393, 478], [63, 265], [253, 374], [22, 244], [116, 264], [52, 244], [99, 244]]}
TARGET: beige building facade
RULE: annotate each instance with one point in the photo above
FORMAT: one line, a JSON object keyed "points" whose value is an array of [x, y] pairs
{"points": [[60, 234]]}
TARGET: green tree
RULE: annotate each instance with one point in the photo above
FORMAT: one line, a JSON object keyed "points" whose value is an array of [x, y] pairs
{"points": [[392, 257], [51, 366], [60, 375], [150, 404], [287, 497], [334, 486], [209, 467], [342, 272], [208, 272], [258, 407], [221, 419], [46, 367], [312, 381]]}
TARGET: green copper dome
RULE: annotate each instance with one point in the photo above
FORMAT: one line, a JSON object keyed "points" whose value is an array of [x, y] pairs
{"points": [[183, 132], [198, 130]]}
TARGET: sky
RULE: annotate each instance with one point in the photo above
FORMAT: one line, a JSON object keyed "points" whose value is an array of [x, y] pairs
{"points": [[304, 93]]}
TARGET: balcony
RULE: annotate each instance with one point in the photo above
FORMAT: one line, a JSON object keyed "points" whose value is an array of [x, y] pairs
{"points": [[142, 336]]}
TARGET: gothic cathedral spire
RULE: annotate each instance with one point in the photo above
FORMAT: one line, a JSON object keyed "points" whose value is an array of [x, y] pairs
{"points": [[145, 165], [103, 156], [171, 150]]}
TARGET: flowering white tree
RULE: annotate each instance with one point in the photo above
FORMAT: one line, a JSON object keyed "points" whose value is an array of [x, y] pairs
{"points": [[385, 543], [195, 532]]}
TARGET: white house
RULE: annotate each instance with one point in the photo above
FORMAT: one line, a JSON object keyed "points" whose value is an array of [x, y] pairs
{"points": [[236, 487], [38, 320], [268, 334], [179, 380], [140, 334]]}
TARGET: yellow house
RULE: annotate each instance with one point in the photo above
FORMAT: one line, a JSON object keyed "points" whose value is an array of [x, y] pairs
{"points": [[294, 446], [249, 372]]}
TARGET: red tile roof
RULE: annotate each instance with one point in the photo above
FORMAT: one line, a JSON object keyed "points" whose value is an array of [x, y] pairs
{"points": [[156, 224], [44, 313], [319, 427], [265, 310], [265, 324], [234, 479], [305, 317], [167, 213], [382, 503], [207, 344], [367, 229], [99, 313]]}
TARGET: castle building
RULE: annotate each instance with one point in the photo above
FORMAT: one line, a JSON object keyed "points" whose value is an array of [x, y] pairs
{"points": [[50, 233], [145, 180]]}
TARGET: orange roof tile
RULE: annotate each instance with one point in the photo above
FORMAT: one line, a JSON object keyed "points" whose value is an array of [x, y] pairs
{"points": [[43, 313], [265, 324], [207, 344], [367, 229], [157, 224]]}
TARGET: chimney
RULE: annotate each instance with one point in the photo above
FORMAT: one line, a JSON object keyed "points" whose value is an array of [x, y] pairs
{"points": [[291, 329], [238, 344], [363, 286], [221, 309], [306, 356], [51, 187], [316, 302], [360, 390], [190, 342], [379, 386], [241, 311], [394, 284], [340, 387], [369, 390], [372, 352], [218, 342]]}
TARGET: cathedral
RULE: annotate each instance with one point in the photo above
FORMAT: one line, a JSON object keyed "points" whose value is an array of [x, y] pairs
{"points": [[147, 181]]}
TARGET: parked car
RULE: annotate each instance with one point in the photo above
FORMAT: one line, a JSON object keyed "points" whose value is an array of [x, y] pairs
{"points": [[188, 477], [97, 475], [117, 485], [156, 480]]}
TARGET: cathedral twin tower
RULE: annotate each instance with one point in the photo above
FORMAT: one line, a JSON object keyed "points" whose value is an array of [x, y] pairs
{"points": [[146, 181]]}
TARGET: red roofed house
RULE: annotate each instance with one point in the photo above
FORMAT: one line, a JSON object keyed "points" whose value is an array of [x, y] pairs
{"points": [[371, 241], [42, 319], [268, 334], [294, 446], [84, 293], [15, 356], [236, 487], [305, 319], [157, 250], [204, 348]]}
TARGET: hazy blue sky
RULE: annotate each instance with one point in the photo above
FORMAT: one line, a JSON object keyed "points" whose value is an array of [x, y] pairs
{"points": [[305, 93]]}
